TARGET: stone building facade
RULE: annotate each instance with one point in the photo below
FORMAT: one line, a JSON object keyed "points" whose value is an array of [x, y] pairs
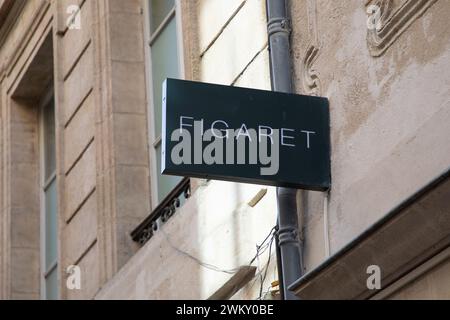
{"points": [[80, 142]]}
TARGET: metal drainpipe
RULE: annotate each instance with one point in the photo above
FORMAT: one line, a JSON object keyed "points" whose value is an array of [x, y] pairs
{"points": [[290, 256]]}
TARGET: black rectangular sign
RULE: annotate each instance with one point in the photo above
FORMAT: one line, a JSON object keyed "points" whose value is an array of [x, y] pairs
{"points": [[245, 135]]}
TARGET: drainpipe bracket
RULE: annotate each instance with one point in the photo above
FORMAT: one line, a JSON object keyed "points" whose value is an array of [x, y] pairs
{"points": [[288, 235], [279, 25]]}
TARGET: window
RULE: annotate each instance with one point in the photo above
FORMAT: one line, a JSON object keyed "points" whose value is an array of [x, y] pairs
{"points": [[163, 52], [49, 214]]}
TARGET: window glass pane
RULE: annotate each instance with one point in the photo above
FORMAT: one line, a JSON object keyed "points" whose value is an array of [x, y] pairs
{"points": [[51, 285], [164, 65], [165, 183], [159, 9], [51, 225], [50, 216], [49, 140]]}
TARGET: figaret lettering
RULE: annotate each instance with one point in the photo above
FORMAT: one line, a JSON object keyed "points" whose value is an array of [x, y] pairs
{"points": [[222, 144]]}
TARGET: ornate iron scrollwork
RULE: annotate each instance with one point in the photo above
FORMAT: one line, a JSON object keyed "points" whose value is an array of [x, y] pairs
{"points": [[165, 210]]}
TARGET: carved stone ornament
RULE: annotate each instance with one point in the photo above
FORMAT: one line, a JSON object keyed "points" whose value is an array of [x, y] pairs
{"points": [[394, 17]]}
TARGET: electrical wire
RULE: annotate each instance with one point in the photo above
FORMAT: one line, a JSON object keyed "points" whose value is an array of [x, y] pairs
{"points": [[267, 268], [260, 249], [195, 259]]}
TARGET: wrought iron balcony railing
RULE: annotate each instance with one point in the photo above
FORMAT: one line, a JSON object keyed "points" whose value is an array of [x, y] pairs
{"points": [[163, 212]]}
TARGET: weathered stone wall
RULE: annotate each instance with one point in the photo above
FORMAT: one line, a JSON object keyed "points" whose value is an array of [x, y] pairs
{"points": [[226, 43], [389, 108], [388, 95], [78, 142], [102, 152], [106, 165], [19, 156], [433, 284], [102, 148]]}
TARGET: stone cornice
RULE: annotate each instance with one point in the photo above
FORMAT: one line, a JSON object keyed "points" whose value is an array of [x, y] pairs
{"points": [[5, 8], [409, 235], [9, 9], [9, 62], [395, 19]]}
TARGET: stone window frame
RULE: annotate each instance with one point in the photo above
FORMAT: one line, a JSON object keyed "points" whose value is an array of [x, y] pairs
{"points": [[155, 141], [24, 90]]}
